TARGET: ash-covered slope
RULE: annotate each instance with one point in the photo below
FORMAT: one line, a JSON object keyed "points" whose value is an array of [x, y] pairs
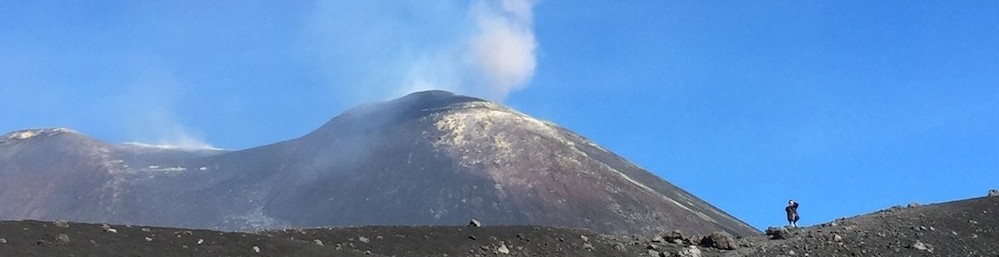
{"points": [[60, 173], [427, 158], [439, 158], [959, 228]]}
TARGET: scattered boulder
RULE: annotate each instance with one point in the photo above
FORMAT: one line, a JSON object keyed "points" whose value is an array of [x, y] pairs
{"points": [[778, 233], [912, 205], [255, 249], [474, 223], [620, 247], [922, 246], [318, 242], [693, 240], [720, 240], [62, 238], [691, 251], [107, 228], [3, 241], [363, 239], [675, 236], [503, 249], [994, 192], [61, 223], [654, 253]]}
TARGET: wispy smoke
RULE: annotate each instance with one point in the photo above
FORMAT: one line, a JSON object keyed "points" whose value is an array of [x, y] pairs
{"points": [[148, 115], [375, 50]]}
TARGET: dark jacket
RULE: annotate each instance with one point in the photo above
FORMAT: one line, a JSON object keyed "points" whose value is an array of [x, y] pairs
{"points": [[792, 212]]}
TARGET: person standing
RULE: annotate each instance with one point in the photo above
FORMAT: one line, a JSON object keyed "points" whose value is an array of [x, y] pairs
{"points": [[792, 213]]}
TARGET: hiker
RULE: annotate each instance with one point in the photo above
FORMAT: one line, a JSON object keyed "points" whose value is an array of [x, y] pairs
{"points": [[792, 213]]}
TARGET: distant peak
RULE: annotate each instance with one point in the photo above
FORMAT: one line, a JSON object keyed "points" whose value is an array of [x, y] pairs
{"points": [[435, 96], [430, 93], [31, 133]]}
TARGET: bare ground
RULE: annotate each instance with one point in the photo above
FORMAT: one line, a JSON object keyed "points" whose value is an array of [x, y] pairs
{"points": [[960, 228]]}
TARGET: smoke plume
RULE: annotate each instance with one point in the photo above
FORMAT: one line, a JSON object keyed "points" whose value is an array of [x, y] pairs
{"points": [[147, 115], [376, 50]]}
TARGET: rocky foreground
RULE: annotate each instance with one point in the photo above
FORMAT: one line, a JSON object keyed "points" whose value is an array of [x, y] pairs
{"points": [[960, 228]]}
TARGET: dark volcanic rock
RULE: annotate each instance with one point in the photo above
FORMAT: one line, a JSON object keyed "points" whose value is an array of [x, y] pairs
{"points": [[778, 233], [719, 240], [425, 159]]}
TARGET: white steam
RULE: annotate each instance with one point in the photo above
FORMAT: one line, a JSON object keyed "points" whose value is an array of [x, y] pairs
{"points": [[147, 113], [504, 47], [376, 50]]}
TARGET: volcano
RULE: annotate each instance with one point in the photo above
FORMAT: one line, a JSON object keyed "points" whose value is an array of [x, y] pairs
{"points": [[429, 158]]}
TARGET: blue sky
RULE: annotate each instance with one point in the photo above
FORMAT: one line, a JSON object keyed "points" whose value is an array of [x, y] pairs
{"points": [[848, 107]]}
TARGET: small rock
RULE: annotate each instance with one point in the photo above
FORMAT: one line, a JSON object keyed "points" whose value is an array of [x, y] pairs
{"points": [[778, 233], [474, 223], [61, 223], [107, 228], [588, 247], [620, 247], [62, 238], [922, 246], [145, 230], [674, 235], [791, 252], [472, 237], [657, 239], [994, 192], [502, 249], [256, 249], [837, 238], [584, 237], [690, 251], [200, 241], [363, 239], [367, 251], [720, 240], [912, 205], [149, 239], [3, 241], [653, 253], [652, 247]]}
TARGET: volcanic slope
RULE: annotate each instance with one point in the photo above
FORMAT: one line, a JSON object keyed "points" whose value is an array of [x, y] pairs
{"points": [[429, 158], [960, 228], [60, 173]]}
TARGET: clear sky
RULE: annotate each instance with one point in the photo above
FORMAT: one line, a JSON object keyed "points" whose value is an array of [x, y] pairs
{"points": [[846, 106]]}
